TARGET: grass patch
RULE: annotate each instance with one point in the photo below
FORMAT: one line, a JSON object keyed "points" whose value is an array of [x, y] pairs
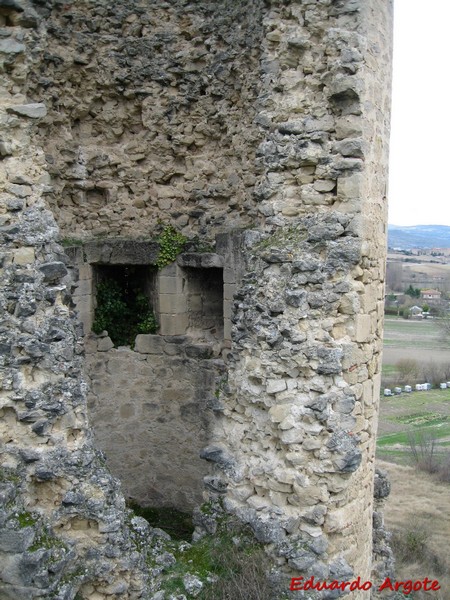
{"points": [[423, 414], [399, 457], [418, 419], [230, 563], [417, 329], [404, 333], [402, 437], [26, 519]]}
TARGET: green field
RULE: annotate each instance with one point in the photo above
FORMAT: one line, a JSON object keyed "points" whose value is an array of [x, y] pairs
{"points": [[422, 414], [419, 345], [405, 333]]}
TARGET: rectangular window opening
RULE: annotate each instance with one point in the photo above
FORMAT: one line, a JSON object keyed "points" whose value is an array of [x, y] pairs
{"points": [[124, 301], [205, 303]]}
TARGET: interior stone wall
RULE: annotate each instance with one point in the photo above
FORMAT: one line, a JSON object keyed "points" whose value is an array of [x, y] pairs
{"points": [[271, 117], [152, 407], [151, 114], [152, 412]]}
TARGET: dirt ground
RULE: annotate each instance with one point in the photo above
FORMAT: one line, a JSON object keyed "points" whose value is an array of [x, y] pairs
{"points": [[417, 501]]}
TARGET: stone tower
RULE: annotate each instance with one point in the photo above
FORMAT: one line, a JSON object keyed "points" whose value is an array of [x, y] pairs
{"points": [[227, 161]]}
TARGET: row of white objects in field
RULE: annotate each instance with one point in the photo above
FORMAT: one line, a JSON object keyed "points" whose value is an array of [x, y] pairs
{"points": [[419, 387]]}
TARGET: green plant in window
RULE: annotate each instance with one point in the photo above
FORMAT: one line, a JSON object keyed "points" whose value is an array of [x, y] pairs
{"points": [[147, 321], [121, 313], [171, 243], [112, 312]]}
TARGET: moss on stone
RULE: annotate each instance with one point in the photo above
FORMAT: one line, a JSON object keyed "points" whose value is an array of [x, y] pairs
{"points": [[26, 519], [283, 238]]}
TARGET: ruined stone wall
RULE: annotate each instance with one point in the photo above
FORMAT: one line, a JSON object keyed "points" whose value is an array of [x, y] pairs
{"points": [[296, 445], [152, 412], [271, 117], [63, 524], [151, 110]]}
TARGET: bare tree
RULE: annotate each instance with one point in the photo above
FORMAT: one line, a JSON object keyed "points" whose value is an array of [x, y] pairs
{"points": [[394, 276], [423, 450]]}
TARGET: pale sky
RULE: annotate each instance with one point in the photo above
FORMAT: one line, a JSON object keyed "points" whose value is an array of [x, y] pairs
{"points": [[420, 132]]}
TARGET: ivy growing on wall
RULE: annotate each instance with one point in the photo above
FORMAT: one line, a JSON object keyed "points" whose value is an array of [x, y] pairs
{"points": [[171, 243], [123, 310]]}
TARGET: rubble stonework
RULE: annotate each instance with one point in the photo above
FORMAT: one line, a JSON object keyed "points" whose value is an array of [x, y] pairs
{"points": [[63, 524], [153, 115], [259, 127]]}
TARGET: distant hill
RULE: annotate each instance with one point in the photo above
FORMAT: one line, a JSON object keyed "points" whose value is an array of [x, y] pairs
{"points": [[419, 236]]}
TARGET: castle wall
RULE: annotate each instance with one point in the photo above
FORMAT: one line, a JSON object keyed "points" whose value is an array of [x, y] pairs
{"points": [[270, 118], [63, 525], [152, 410], [296, 443], [151, 115]]}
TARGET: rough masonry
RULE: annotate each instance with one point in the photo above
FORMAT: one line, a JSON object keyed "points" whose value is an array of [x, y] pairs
{"points": [[259, 132]]}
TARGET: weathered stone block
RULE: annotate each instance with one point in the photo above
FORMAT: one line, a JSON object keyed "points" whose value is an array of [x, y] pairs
{"points": [[85, 272], [227, 329], [171, 285], [24, 256], [229, 290], [199, 351], [16, 541], [292, 436], [84, 288], [338, 520], [121, 252], [349, 188], [172, 303], [147, 343], [53, 271], [205, 260], [279, 412], [229, 275], [275, 385], [173, 324], [104, 344], [32, 111], [11, 46], [362, 328]]}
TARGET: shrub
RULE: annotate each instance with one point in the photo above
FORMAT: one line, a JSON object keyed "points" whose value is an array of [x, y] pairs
{"points": [[409, 545], [426, 456], [412, 546], [436, 373], [123, 315], [408, 370], [171, 243], [444, 469]]}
